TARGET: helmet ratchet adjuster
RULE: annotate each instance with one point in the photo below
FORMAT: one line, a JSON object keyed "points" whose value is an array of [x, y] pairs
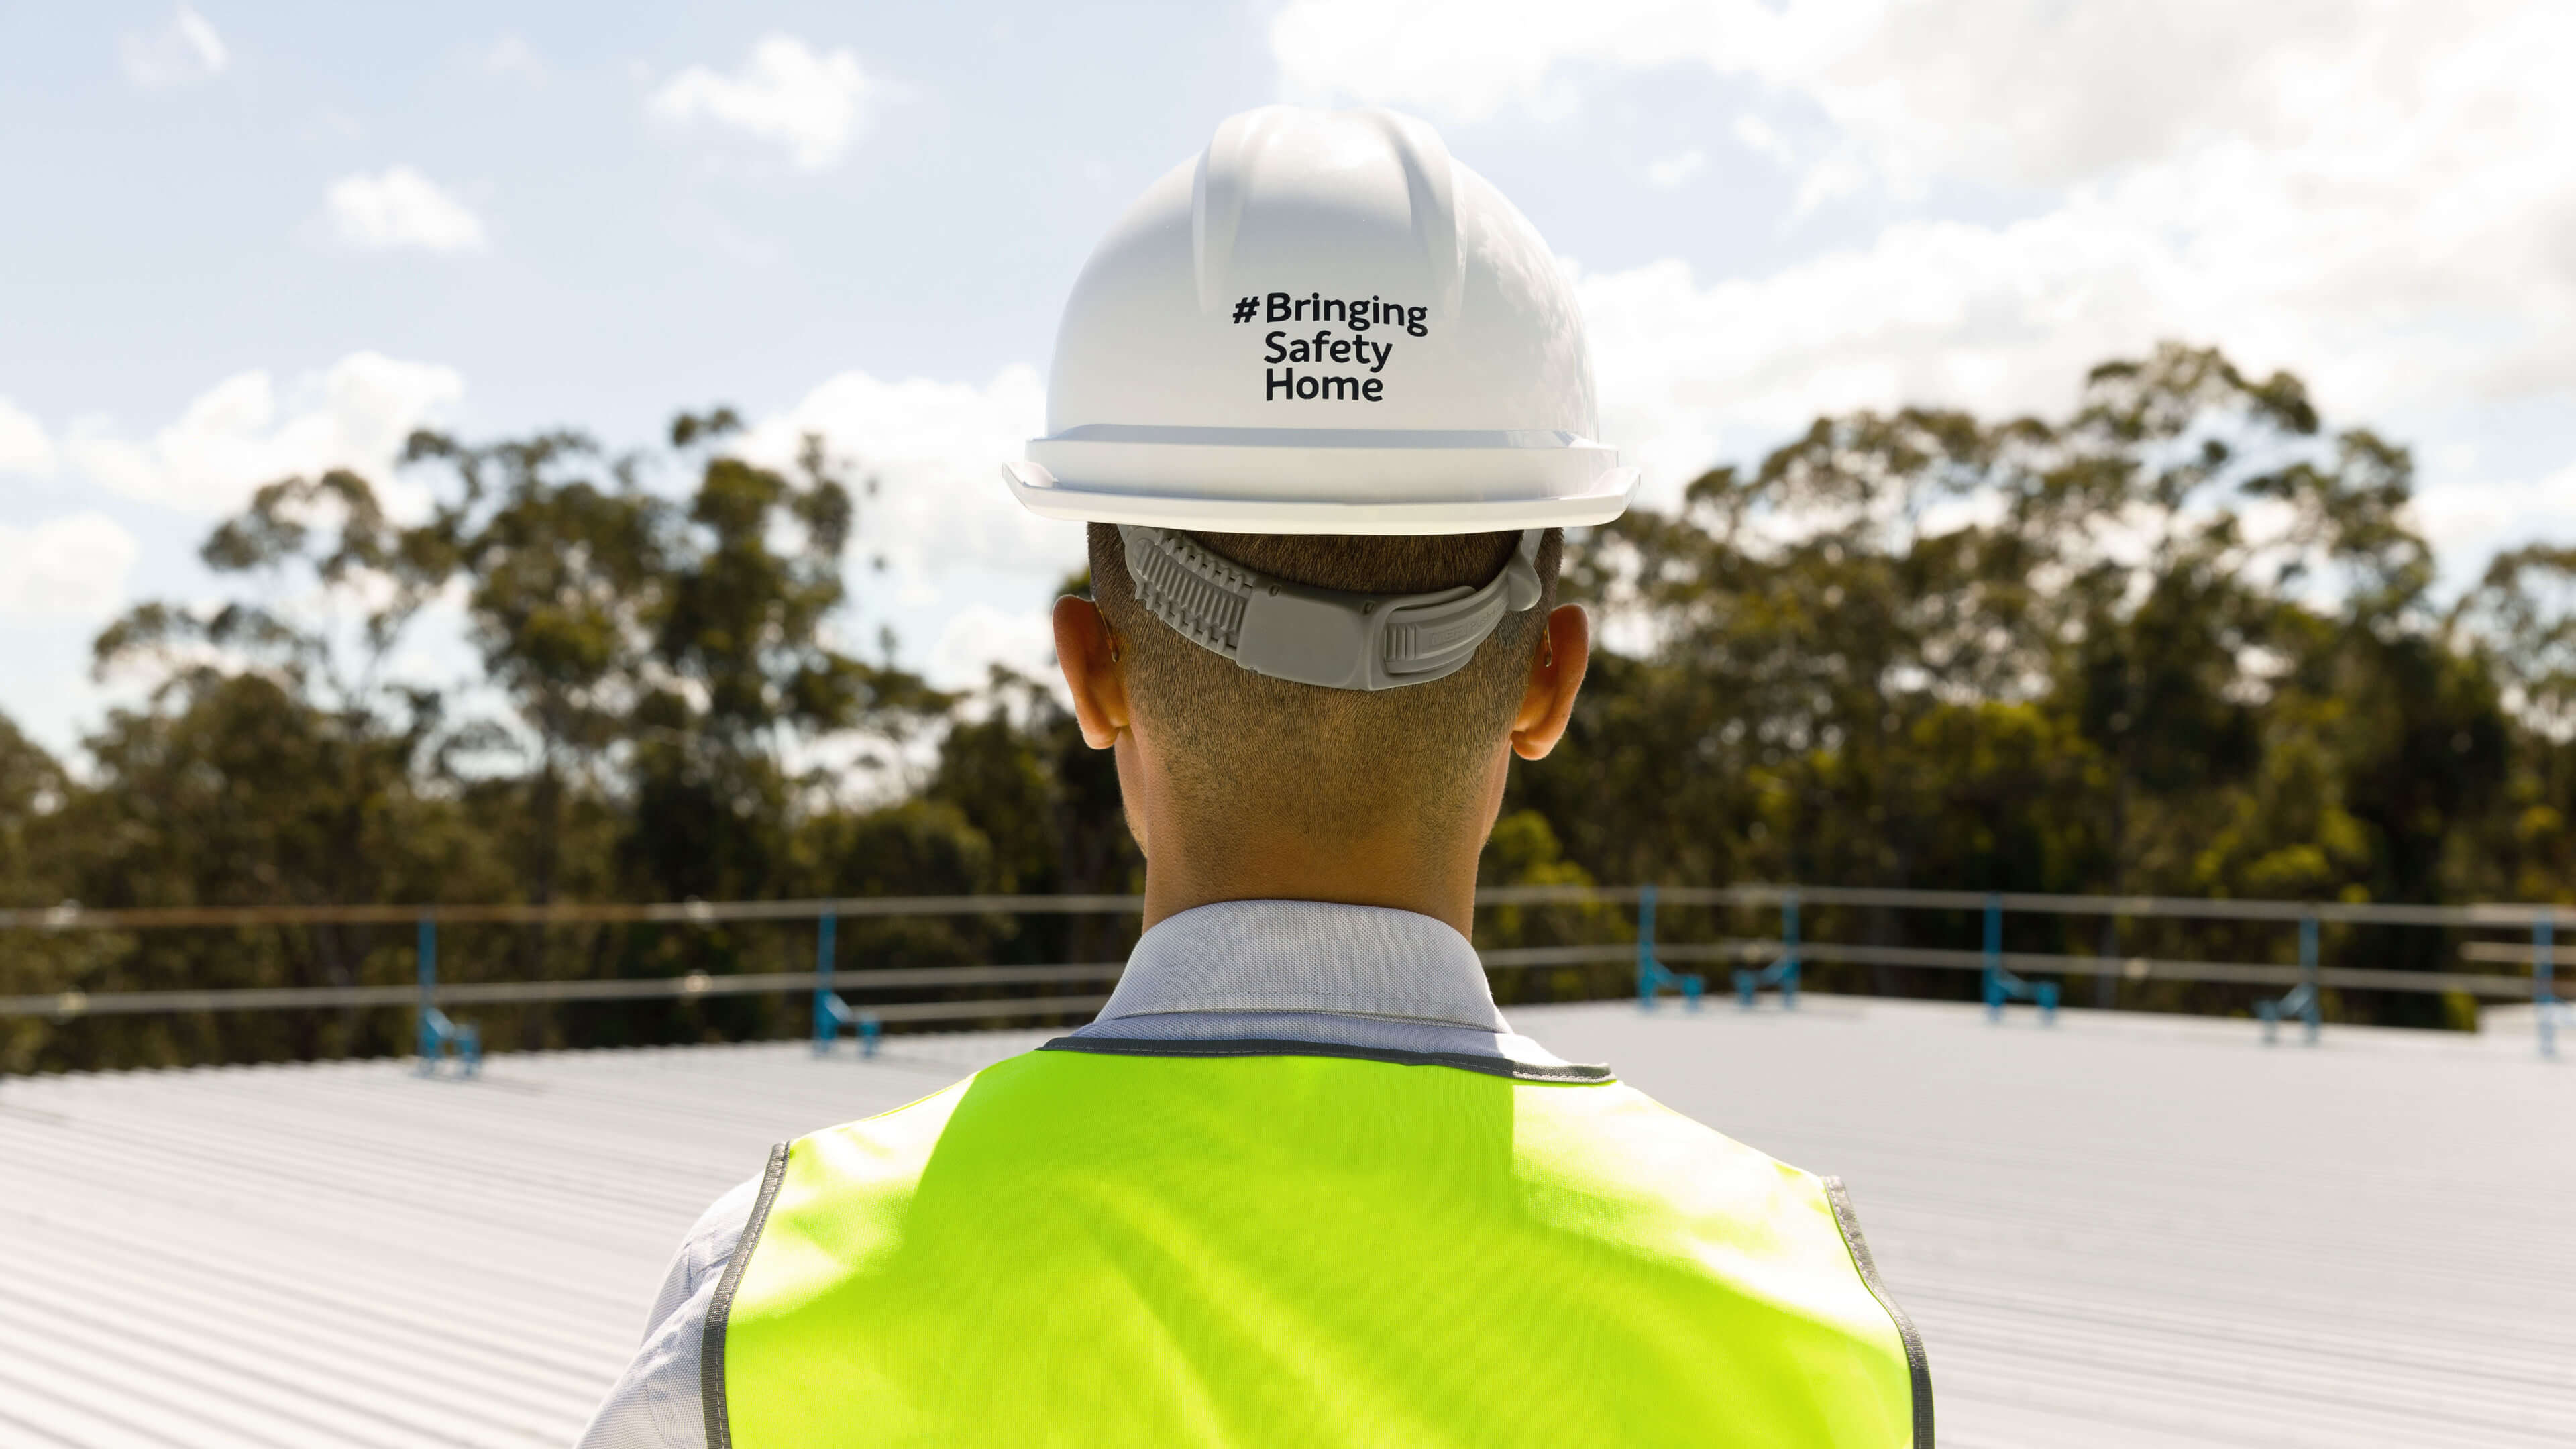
{"points": [[1323, 637]]}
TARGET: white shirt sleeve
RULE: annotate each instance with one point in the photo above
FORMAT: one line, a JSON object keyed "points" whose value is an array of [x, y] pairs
{"points": [[655, 1403]]}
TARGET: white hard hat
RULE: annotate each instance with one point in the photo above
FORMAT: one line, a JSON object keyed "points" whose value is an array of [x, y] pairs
{"points": [[1322, 325]]}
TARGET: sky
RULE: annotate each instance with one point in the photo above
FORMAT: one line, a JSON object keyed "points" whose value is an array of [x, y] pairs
{"points": [[242, 241]]}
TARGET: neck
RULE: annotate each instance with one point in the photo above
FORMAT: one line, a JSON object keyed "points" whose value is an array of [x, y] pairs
{"points": [[1398, 870], [1420, 861]]}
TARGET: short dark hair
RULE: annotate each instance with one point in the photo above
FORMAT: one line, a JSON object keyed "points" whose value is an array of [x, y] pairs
{"points": [[1331, 763]]}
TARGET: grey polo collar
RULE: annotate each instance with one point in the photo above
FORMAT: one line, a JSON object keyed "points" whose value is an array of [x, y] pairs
{"points": [[1307, 957]]}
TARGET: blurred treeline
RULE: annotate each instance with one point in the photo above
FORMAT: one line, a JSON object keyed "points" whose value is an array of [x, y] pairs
{"points": [[2183, 641]]}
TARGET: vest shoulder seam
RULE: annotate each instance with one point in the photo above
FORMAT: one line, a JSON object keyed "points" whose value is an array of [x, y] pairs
{"points": [[711, 1344], [1492, 1066], [1918, 1368]]}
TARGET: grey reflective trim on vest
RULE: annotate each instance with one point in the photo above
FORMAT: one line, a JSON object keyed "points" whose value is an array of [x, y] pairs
{"points": [[711, 1351], [1125, 1046], [1917, 1367]]}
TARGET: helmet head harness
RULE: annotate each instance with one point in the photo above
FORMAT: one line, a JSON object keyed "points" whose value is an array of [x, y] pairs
{"points": [[1328, 637]]}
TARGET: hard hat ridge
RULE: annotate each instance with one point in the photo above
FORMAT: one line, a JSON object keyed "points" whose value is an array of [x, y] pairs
{"points": [[1228, 172]]}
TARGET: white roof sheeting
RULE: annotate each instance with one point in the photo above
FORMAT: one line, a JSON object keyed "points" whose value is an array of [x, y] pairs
{"points": [[2125, 1231]]}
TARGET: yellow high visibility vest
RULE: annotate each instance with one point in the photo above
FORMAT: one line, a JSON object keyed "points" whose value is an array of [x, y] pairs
{"points": [[1176, 1243]]}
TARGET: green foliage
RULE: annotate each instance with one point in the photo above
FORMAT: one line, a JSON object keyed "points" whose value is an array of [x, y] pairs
{"points": [[2180, 641], [652, 668], [1524, 851], [234, 790]]}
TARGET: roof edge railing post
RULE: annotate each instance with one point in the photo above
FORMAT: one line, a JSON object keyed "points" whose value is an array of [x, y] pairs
{"points": [[2314, 1013], [1648, 969], [832, 1015], [1788, 963], [1783, 970], [827, 1026], [439, 1037], [1652, 975], [425, 957], [1994, 956], [2305, 1000], [2001, 984], [2544, 996]]}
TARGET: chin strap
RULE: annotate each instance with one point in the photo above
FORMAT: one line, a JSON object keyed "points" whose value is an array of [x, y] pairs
{"points": [[1322, 636]]}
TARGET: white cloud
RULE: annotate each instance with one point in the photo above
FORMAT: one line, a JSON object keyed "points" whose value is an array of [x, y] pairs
{"points": [[1467, 59], [181, 50], [1999, 318], [24, 448], [2028, 90], [398, 208], [953, 539], [75, 566], [1672, 171], [2401, 257], [2033, 92], [936, 450], [980, 636], [235, 436], [811, 103], [1756, 136], [512, 56], [2380, 197], [2470, 518]]}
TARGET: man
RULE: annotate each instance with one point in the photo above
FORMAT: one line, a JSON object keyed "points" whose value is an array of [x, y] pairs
{"points": [[1323, 401]]}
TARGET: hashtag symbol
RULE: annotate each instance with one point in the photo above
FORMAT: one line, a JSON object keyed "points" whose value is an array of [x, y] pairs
{"points": [[1244, 309]]}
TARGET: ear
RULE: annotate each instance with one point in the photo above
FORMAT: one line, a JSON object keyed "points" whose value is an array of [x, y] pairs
{"points": [[1556, 676], [1087, 652]]}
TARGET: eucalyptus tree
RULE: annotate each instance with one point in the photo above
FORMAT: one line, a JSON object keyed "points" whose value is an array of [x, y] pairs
{"points": [[2519, 621], [562, 555], [2125, 649], [748, 664], [272, 762]]}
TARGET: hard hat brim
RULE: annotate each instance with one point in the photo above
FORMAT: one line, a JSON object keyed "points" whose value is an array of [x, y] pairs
{"points": [[1355, 484]]}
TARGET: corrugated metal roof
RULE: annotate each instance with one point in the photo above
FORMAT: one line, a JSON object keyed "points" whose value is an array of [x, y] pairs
{"points": [[2123, 1231]]}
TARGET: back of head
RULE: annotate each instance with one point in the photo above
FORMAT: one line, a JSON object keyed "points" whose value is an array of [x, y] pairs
{"points": [[1332, 764], [1322, 395]]}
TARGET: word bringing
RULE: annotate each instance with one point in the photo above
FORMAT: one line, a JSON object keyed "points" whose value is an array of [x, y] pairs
{"points": [[1287, 384], [1358, 315]]}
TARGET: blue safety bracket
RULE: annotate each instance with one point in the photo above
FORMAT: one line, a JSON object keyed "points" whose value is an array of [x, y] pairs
{"points": [[845, 1017], [1783, 972], [2303, 1001], [832, 1015], [441, 1039], [2002, 985], [1652, 977]]}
